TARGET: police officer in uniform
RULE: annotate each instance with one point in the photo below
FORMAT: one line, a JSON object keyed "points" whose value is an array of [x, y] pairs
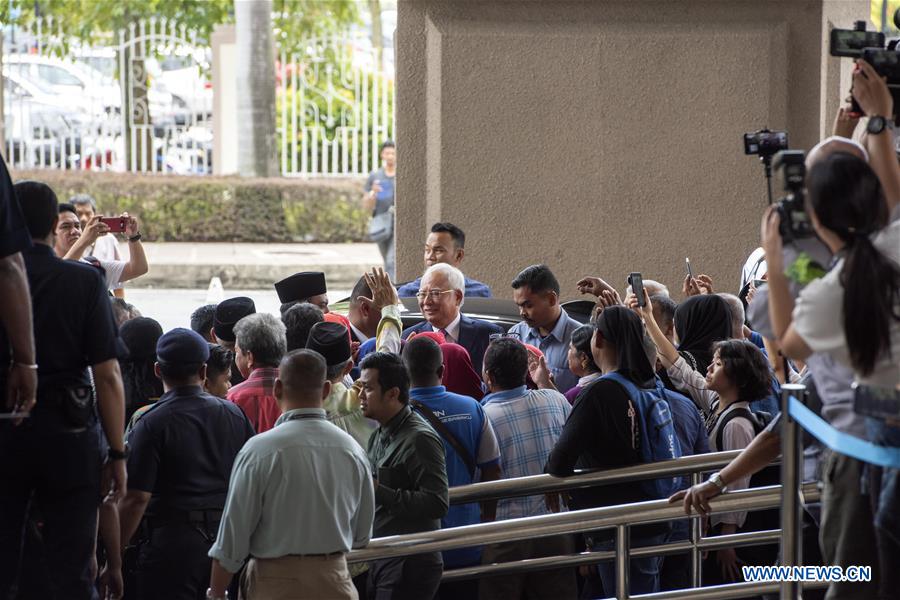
{"points": [[51, 464], [180, 455]]}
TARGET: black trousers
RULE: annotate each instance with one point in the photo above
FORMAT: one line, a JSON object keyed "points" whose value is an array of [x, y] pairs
{"points": [[49, 494], [173, 564], [407, 578]]}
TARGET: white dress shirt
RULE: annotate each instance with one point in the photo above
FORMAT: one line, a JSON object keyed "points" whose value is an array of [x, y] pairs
{"points": [[452, 329]]}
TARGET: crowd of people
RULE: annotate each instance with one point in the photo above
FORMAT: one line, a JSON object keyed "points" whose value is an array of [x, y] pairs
{"points": [[245, 456]]}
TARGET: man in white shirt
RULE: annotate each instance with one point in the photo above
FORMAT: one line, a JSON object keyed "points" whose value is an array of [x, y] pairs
{"points": [[106, 247], [72, 244]]}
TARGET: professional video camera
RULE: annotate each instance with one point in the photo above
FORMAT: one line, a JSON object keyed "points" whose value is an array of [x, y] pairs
{"points": [[795, 221], [871, 47], [765, 144]]}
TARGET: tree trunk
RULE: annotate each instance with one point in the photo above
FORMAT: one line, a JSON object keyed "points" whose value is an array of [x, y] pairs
{"points": [[256, 85]]}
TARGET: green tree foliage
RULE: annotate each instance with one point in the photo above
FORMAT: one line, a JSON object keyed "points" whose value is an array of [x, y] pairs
{"points": [[296, 21], [882, 15], [91, 20]]}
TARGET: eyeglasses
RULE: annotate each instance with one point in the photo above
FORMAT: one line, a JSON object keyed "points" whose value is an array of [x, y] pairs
{"points": [[499, 336], [435, 295]]}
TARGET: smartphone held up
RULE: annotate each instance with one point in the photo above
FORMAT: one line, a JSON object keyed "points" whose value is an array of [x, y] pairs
{"points": [[637, 288], [115, 224]]}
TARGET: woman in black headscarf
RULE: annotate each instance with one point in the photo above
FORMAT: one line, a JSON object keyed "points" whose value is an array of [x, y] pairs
{"points": [[603, 431], [142, 386], [701, 321]]}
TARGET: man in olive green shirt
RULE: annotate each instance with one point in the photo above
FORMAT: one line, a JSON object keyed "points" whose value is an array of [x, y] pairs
{"points": [[411, 492]]}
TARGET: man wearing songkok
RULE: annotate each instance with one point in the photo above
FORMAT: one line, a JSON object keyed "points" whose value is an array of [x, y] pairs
{"points": [[228, 313], [308, 286], [342, 404]]}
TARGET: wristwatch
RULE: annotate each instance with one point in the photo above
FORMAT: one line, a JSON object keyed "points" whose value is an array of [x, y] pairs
{"points": [[716, 480], [210, 596], [877, 124], [113, 454]]}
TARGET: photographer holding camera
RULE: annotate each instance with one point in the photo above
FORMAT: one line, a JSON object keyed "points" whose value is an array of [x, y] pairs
{"points": [[852, 313]]}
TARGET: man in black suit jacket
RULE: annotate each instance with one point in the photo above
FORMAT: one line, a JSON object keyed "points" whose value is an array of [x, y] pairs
{"points": [[440, 296]]}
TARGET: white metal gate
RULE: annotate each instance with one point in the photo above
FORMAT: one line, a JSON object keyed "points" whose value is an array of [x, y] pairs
{"points": [[335, 106], [139, 102]]}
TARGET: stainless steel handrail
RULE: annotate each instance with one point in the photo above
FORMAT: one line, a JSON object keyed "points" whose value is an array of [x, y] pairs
{"points": [[787, 496], [736, 540], [539, 484], [565, 522]]}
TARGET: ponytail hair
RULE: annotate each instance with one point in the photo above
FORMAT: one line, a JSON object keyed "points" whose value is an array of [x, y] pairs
{"points": [[848, 200]]}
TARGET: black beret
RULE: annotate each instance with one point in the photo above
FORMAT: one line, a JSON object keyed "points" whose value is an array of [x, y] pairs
{"points": [[301, 286], [182, 347], [331, 341], [140, 336], [228, 313]]}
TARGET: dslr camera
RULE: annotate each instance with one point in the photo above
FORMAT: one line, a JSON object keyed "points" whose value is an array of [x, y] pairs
{"points": [[795, 221]]}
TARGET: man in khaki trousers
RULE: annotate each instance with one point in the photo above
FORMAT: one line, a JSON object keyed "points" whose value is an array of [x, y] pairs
{"points": [[300, 497]]}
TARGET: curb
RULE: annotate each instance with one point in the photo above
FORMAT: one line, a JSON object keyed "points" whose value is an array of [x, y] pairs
{"points": [[243, 277]]}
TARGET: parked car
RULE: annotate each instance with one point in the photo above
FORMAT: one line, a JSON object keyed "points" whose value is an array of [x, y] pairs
{"points": [[38, 135], [19, 90], [185, 78], [81, 84], [498, 311]]}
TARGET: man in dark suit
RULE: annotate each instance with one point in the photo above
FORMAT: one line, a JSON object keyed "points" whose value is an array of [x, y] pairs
{"points": [[441, 296]]}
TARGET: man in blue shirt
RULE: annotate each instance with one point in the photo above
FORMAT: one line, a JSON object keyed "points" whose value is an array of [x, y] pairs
{"points": [[445, 244], [469, 443], [545, 324]]}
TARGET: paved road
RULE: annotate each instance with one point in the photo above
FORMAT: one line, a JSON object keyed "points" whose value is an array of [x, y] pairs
{"points": [[177, 265], [173, 307]]}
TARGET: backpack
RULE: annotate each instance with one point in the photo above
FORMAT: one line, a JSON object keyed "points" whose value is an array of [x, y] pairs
{"points": [[759, 520], [658, 439]]}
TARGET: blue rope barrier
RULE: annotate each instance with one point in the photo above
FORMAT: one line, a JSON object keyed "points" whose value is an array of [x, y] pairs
{"points": [[841, 442]]}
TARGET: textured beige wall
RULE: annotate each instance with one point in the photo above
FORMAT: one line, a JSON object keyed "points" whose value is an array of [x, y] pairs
{"points": [[603, 137]]}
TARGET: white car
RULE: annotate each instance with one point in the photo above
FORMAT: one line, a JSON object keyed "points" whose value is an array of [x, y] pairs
{"points": [[75, 82], [184, 78]]}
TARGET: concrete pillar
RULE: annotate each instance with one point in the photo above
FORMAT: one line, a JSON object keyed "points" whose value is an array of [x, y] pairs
{"points": [[224, 80], [601, 136]]}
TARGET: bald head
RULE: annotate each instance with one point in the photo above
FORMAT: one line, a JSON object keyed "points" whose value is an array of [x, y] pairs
{"points": [[736, 308], [833, 144], [301, 380]]}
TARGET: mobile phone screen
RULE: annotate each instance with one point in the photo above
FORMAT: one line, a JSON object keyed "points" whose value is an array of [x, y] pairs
{"points": [[637, 287], [687, 262]]}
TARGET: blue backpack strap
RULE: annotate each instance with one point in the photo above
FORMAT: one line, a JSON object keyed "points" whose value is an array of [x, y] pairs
{"points": [[624, 382]]}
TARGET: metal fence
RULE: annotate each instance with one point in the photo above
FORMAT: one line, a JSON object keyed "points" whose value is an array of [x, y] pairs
{"points": [[789, 496], [139, 101], [335, 107], [142, 101]]}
